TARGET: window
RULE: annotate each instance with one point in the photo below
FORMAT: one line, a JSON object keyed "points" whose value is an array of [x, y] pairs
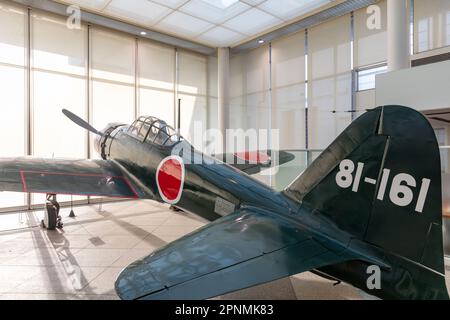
{"points": [[12, 90], [422, 34], [448, 28], [366, 77], [289, 90], [59, 81], [163, 134], [370, 42], [330, 81], [122, 82], [155, 131], [113, 76], [143, 130], [156, 72], [431, 24], [135, 128], [146, 127], [192, 90]]}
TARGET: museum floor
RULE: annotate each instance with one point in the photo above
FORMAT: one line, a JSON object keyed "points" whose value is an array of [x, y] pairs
{"points": [[83, 260]]}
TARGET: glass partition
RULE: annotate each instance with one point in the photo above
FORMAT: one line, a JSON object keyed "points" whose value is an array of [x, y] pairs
{"points": [[287, 172]]}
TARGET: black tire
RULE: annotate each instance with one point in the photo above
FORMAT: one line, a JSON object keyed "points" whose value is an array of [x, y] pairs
{"points": [[50, 217]]}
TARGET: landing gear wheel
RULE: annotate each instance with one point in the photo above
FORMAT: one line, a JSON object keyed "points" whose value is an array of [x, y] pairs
{"points": [[52, 219]]}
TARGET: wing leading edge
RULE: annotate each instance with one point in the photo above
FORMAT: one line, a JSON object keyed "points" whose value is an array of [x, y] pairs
{"points": [[246, 248], [75, 177]]}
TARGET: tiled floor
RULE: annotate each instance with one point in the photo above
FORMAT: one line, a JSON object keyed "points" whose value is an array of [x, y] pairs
{"points": [[83, 260]]}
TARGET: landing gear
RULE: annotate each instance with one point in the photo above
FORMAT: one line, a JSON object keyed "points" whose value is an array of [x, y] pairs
{"points": [[52, 219]]}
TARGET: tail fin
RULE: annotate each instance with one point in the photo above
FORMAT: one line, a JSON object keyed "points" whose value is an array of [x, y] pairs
{"points": [[380, 180]]}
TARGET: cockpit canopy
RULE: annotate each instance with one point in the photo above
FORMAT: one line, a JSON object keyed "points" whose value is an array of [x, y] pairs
{"points": [[154, 130]]}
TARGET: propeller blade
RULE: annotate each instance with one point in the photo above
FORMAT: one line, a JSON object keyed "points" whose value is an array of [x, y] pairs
{"points": [[80, 122]]}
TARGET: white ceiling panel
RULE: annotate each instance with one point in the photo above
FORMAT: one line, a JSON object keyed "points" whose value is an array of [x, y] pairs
{"points": [[220, 37], [215, 11], [89, 4], [252, 22], [174, 4], [211, 22], [253, 2], [183, 24], [143, 12], [288, 9]]}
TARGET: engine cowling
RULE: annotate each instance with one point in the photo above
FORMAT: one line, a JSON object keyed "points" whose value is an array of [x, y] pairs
{"points": [[103, 142]]}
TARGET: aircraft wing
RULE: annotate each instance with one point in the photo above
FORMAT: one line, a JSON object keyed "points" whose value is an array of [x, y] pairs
{"points": [[245, 248], [252, 162], [75, 177]]}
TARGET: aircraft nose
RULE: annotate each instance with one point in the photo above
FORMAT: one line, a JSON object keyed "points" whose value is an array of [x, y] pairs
{"points": [[97, 143]]}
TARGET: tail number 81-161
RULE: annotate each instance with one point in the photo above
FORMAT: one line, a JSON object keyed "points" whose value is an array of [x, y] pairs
{"points": [[400, 192]]}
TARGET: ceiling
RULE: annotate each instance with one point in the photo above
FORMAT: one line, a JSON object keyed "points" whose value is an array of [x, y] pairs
{"points": [[217, 23]]}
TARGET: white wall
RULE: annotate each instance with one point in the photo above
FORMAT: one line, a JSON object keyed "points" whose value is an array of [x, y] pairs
{"points": [[422, 88], [365, 100]]}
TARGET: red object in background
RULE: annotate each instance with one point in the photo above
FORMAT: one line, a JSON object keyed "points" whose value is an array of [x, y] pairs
{"points": [[254, 157]]}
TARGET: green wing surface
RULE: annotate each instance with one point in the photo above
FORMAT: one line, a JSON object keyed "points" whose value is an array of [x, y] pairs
{"points": [[74, 177], [245, 248]]}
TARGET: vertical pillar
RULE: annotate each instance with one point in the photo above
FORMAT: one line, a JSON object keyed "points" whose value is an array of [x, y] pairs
{"points": [[29, 109], [176, 102], [223, 72], [398, 35]]}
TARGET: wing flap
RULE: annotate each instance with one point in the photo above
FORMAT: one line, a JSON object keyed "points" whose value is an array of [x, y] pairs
{"points": [[60, 176], [243, 249]]}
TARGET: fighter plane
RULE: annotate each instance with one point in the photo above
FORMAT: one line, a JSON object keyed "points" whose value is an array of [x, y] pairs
{"points": [[370, 201]]}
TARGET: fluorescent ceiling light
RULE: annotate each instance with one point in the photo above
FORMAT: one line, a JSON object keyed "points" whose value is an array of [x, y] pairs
{"points": [[214, 11], [143, 33], [183, 24], [142, 12], [252, 22]]}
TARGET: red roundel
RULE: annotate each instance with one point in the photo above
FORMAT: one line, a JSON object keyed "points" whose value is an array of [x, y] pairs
{"points": [[170, 179]]}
